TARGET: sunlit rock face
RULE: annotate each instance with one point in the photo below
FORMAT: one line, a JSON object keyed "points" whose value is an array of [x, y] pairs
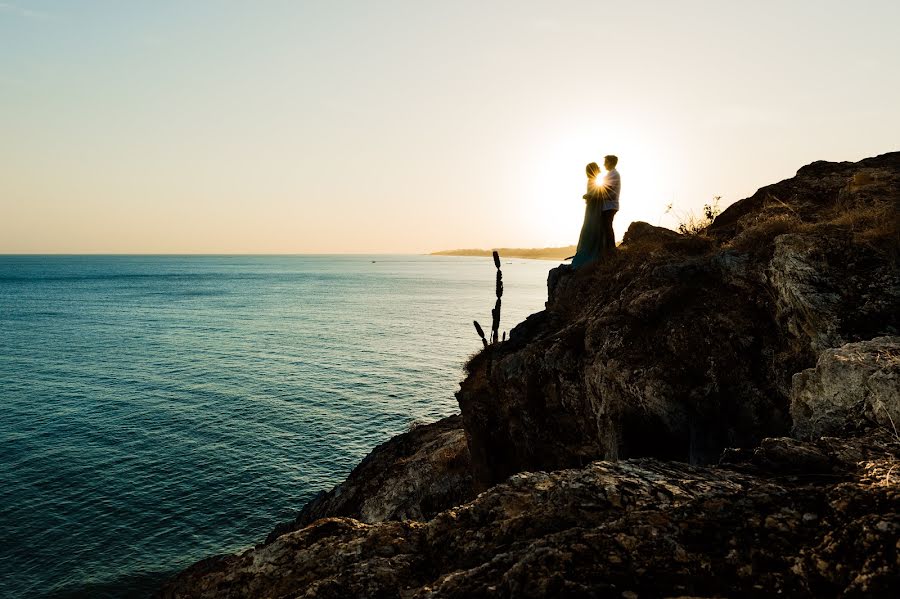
{"points": [[681, 346], [851, 387]]}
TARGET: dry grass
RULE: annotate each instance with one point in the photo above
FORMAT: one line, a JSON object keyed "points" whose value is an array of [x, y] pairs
{"points": [[872, 222], [452, 457], [888, 479], [869, 223], [869, 207], [893, 429], [691, 224], [473, 365], [875, 225], [762, 234], [659, 246]]}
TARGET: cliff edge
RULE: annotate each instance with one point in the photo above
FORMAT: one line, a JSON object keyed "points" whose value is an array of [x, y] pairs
{"points": [[682, 346], [707, 415]]}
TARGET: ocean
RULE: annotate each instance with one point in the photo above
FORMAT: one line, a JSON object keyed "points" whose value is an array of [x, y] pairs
{"points": [[157, 410]]}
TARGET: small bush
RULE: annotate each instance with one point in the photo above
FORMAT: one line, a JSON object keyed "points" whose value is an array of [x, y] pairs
{"points": [[697, 225]]}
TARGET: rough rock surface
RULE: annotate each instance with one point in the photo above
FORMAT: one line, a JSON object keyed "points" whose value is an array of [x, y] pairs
{"points": [[638, 527], [680, 346], [850, 387], [410, 477], [831, 289], [782, 316]]}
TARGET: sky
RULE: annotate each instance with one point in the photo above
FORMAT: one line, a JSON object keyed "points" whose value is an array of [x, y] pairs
{"points": [[276, 126]]}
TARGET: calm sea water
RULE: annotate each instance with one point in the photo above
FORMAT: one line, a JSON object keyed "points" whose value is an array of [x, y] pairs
{"points": [[160, 409]]}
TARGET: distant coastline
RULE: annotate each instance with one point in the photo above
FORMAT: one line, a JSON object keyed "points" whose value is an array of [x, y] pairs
{"points": [[560, 253]]}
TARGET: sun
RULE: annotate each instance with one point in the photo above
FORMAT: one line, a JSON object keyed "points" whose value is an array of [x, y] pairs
{"points": [[551, 194]]}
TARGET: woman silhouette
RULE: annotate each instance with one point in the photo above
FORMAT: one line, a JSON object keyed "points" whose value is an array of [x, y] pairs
{"points": [[591, 239]]}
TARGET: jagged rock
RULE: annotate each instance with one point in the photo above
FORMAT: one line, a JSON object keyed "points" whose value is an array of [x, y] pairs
{"points": [[645, 238], [815, 189], [412, 476], [641, 232], [831, 290], [782, 454], [665, 356], [672, 349], [680, 346], [809, 295], [851, 387], [556, 281], [637, 527]]}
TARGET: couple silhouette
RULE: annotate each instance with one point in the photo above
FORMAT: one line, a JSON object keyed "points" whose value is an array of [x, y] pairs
{"points": [[597, 238]]}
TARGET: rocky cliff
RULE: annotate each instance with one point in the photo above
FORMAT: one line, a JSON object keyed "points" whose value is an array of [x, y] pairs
{"points": [[682, 346], [411, 477], [708, 415]]}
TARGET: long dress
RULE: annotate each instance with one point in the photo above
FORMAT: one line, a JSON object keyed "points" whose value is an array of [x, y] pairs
{"points": [[591, 240]]}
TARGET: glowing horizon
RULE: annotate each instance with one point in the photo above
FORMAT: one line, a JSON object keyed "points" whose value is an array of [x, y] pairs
{"points": [[410, 127]]}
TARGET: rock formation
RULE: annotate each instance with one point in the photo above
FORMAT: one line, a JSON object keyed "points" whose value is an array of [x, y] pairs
{"points": [[850, 388], [632, 439], [639, 527], [685, 345], [410, 477]]}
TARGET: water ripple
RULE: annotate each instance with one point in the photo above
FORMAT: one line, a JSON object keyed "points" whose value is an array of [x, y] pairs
{"points": [[159, 409]]}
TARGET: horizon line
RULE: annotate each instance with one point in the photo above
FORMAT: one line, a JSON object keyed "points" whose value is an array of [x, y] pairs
{"points": [[216, 253], [373, 253]]}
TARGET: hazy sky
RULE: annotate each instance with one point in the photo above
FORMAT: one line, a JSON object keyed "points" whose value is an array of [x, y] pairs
{"points": [[389, 126]]}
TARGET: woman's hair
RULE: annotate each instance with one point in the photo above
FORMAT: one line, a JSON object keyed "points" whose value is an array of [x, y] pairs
{"points": [[592, 169]]}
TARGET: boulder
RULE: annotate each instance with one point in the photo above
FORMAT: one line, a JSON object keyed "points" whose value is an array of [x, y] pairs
{"points": [[641, 232], [410, 477], [830, 290], [851, 387]]}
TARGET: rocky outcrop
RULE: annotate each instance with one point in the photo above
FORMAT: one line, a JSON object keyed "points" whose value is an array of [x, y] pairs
{"points": [[596, 432], [681, 346], [850, 388], [816, 189], [639, 527], [412, 476], [831, 289]]}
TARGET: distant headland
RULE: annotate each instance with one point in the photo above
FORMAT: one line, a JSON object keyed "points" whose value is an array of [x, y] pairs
{"points": [[559, 253]]}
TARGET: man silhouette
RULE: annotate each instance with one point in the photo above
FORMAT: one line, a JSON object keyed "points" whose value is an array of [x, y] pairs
{"points": [[612, 185]]}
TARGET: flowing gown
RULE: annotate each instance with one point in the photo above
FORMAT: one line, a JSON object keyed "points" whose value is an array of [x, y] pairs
{"points": [[591, 240]]}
